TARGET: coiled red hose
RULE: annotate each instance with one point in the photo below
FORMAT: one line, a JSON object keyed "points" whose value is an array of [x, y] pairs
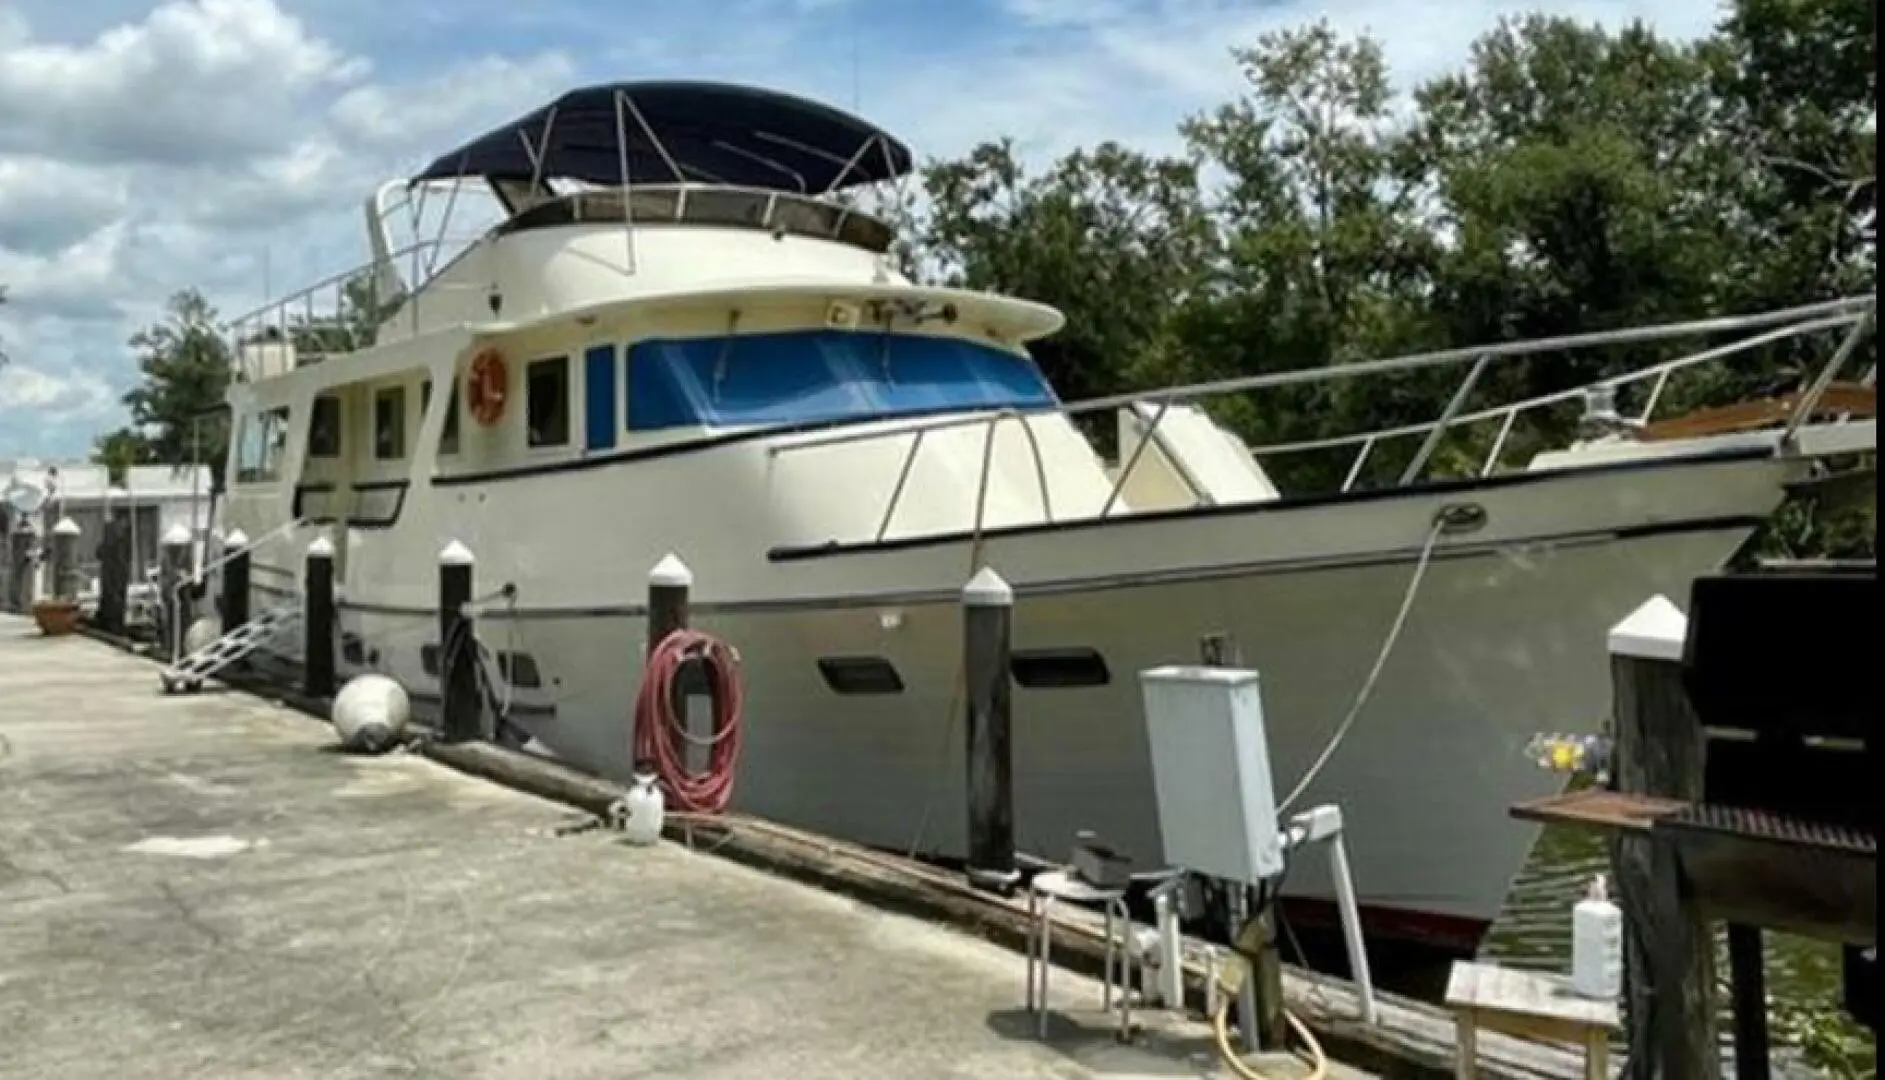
{"points": [[661, 735]]}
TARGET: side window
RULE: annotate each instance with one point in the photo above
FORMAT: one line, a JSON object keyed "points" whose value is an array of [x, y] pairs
{"points": [[324, 427], [259, 452], [448, 435], [546, 401], [389, 423]]}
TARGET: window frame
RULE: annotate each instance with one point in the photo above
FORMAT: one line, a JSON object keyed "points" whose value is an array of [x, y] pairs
{"points": [[318, 448], [560, 364], [397, 394]]}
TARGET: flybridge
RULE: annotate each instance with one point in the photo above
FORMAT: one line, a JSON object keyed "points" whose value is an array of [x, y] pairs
{"points": [[720, 158], [635, 133]]}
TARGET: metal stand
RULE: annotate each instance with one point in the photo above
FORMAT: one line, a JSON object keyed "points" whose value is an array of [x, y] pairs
{"points": [[1060, 885], [1324, 825]]}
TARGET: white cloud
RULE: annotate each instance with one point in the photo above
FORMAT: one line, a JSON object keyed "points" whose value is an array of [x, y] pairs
{"points": [[195, 80], [52, 397], [217, 144], [226, 144]]}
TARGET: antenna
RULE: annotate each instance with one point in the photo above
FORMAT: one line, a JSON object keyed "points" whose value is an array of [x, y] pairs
{"points": [[857, 78]]}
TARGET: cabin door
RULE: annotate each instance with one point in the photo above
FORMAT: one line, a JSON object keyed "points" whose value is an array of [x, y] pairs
{"points": [[599, 396]]}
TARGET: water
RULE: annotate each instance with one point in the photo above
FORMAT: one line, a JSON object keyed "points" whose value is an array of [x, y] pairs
{"points": [[1803, 976]]}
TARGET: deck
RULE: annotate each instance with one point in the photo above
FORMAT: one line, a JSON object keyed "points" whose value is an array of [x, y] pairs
{"points": [[198, 887]]}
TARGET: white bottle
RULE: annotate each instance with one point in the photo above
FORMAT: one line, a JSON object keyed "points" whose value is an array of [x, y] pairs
{"points": [[1597, 945], [642, 809]]}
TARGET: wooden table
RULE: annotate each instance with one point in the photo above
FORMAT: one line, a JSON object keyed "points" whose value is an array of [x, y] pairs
{"points": [[1529, 1005]]}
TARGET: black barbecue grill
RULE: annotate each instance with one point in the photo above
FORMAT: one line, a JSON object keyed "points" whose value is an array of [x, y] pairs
{"points": [[1779, 669]]}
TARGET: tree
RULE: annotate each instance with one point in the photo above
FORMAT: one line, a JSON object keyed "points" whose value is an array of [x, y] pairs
{"points": [[1565, 179], [1324, 260], [1108, 235], [176, 410]]}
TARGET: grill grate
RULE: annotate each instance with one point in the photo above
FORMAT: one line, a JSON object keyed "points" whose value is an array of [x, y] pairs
{"points": [[1760, 825]]}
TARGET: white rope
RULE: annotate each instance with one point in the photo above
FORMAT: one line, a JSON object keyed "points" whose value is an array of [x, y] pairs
{"points": [[1374, 675]]}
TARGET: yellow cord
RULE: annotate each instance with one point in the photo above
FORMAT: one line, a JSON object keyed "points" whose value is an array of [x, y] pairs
{"points": [[1232, 1059]]}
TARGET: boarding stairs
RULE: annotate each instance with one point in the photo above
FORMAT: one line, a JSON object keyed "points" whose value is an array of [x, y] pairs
{"points": [[188, 672]]}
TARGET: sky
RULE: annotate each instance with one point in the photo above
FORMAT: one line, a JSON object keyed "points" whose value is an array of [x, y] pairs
{"points": [[227, 145]]}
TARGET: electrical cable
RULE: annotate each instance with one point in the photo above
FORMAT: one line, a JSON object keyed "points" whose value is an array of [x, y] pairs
{"points": [[1269, 895]]}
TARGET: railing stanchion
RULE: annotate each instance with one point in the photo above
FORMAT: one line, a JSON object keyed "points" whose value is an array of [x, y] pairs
{"points": [[1145, 439], [1498, 444], [1361, 458], [1440, 426], [1809, 400], [903, 477]]}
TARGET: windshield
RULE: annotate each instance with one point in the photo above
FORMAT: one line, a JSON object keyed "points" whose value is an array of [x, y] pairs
{"points": [[820, 375]]}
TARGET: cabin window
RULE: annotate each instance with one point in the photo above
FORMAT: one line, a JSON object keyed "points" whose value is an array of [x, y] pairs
{"points": [[860, 675], [324, 427], [546, 401], [1043, 669], [389, 423], [448, 435], [816, 375], [260, 450]]}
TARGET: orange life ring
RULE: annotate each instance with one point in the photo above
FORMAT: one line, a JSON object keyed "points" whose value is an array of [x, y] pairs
{"points": [[484, 393]]}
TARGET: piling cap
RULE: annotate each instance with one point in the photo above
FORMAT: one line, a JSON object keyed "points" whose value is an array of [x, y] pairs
{"points": [[176, 536], [455, 554], [1600, 887], [66, 527], [322, 547], [1655, 631], [987, 589], [671, 573], [236, 539]]}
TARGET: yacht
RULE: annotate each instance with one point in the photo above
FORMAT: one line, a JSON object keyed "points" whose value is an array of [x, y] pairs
{"points": [[684, 336]]}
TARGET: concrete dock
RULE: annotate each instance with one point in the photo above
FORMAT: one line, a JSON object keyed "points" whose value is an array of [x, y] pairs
{"points": [[200, 887]]}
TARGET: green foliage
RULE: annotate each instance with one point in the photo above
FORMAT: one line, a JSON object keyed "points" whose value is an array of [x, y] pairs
{"points": [[1565, 179], [176, 411]]}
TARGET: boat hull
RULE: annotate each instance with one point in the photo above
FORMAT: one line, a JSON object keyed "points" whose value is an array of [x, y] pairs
{"points": [[1505, 639]]}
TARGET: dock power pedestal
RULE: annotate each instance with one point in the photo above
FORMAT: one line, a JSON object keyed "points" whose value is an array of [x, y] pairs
{"points": [[1211, 770], [1217, 797]]}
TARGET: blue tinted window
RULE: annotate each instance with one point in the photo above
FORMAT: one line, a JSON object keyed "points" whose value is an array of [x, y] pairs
{"points": [[813, 375]]}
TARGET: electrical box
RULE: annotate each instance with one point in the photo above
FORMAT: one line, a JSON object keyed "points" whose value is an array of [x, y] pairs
{"points": [[1211, 770]]}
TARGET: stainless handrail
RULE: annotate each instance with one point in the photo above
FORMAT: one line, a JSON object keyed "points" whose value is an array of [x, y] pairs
{"points": [[197, 576], [1659, 370], [988, 454], [1857, 312], [1836, 312], [341, 279]]}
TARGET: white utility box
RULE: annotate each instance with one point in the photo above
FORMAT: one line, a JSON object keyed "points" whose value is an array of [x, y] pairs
{"points": [[1211, 769]]}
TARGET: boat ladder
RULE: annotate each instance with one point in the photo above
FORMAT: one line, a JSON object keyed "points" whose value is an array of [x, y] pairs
{"points": [[188, 672]]}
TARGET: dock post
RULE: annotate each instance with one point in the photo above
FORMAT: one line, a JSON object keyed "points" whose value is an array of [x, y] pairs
{"points": [[174, 571], [114, 570], [1260, 1005], [987, 619], [460, 715], [20, 570], [317, 613], [669, 584], [235, 594], [65, 549], [1669, 953]]}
